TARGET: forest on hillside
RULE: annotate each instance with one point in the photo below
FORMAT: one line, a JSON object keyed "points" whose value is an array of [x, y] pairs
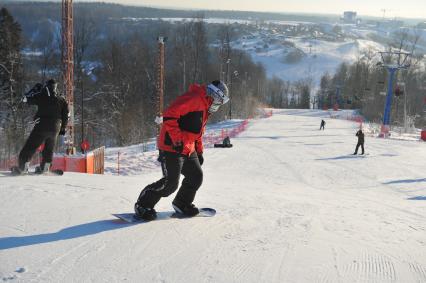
{"points": [[115, 70], [364, 84], [115, 53]]}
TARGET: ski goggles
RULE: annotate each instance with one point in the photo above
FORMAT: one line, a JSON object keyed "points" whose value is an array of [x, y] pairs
{"points": [[219, 98]]}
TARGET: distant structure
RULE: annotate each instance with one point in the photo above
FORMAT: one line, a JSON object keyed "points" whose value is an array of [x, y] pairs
{"points": [[390, 24], [349, 17], [421, 25]]}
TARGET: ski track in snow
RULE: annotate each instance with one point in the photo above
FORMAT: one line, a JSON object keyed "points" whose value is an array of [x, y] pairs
{"points": [[293, 205]]}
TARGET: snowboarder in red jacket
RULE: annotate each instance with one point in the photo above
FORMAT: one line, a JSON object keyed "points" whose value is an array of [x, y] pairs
{"points": [[181, 149]]}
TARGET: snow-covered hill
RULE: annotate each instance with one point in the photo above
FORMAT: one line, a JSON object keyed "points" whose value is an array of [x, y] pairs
{"points": [[319, 56], [317, 52], [293, 206]]}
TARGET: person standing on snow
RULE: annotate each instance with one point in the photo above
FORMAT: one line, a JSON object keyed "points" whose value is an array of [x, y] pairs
{"points": [[360, 136], [181, 149], [322, 124], [50, 120]]}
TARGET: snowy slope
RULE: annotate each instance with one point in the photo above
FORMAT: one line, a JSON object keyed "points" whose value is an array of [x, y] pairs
{"points": [[320, 56], [293, 206]]}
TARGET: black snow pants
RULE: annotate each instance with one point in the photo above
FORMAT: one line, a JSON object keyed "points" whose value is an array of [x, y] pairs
{"points": [[357, 146], [174, 164], [37, 137]]}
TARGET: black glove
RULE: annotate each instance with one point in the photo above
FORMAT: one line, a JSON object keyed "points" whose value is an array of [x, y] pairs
{"points": [[161, 157], [178, 146], [62, 132], [200, 158], [34, 91]]}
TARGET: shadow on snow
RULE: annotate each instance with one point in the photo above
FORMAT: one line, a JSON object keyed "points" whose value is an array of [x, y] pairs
{"points": [[72, 232], [417, 198], [350, 156], [406, 181]]}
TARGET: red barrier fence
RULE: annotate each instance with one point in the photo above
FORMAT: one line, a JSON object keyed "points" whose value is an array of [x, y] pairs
{"points": [[213, 137], [423, 135]]}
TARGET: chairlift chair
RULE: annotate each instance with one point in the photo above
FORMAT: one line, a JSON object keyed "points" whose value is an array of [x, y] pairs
{"points": [[398, 91]]}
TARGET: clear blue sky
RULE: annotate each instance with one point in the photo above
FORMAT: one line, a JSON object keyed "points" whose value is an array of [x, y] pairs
{"points": [[394, 8]]}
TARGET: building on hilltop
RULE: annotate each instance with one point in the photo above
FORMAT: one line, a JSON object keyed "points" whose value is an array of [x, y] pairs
{"points": [[349, 17]]}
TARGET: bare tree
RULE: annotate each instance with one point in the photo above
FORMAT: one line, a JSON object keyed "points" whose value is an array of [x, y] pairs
{"points": [[83, 37]]}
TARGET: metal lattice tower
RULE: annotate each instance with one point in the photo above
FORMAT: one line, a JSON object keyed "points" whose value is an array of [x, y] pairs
{"points": [[68, 68]]}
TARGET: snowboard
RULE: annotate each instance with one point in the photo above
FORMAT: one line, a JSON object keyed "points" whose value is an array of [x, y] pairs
{"points": [[222, 145], [359, 154], [131, 218], [16, 172]]}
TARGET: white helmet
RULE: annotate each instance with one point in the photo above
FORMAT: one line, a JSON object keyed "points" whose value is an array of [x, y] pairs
{"points": [[220, 94]]}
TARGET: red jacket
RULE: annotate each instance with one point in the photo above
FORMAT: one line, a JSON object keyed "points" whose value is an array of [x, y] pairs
{"points": [[185, 121]]}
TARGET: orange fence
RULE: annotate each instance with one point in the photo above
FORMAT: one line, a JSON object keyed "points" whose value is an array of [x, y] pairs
{"points": [[91, 163], [95, 161], [6, 164]]}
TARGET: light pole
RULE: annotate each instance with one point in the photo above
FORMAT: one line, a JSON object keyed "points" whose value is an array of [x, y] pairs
{"points": [[160, 75], [228, 63]]}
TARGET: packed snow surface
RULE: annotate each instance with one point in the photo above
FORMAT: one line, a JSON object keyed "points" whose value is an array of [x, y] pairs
{"points": [[293, 205]]}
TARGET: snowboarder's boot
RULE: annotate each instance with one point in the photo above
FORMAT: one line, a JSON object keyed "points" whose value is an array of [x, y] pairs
{"points": [[16, 170], [20, 170], [144, 213], [188, 210], [43, 168]]}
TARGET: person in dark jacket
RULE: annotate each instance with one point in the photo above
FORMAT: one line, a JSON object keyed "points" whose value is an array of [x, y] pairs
{"points": [[181, 149], [322, 124], [50, 121], [360, 136]]}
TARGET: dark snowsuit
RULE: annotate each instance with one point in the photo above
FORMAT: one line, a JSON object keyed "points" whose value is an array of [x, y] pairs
{"points": [[50, 120], [173, 164], [181, 149], [322, 124], [360, 136]]}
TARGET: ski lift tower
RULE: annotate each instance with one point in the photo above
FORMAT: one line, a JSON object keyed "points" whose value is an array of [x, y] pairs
{"points": [[392, 61], [68, 69]]}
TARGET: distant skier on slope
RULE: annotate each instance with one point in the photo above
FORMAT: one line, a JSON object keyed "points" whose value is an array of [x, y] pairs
{"points": [[50, 120], [181, 149], [322, 124], [360, 136]]}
